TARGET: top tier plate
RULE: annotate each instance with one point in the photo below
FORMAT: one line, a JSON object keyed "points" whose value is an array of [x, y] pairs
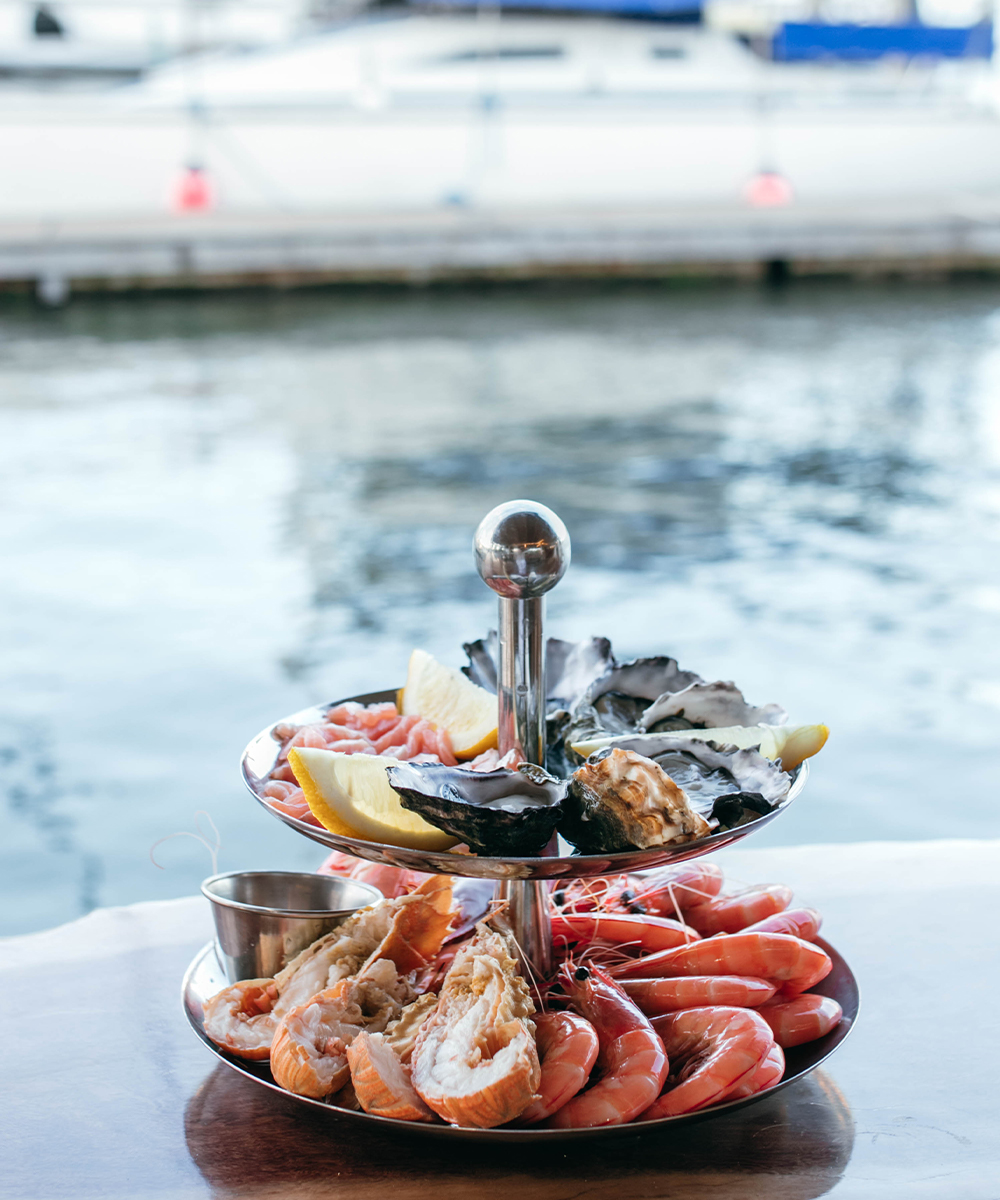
{"points": [[261, 755]]}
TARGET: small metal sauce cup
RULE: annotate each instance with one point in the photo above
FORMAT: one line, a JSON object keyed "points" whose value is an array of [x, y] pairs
{"points": [[264, 918]]}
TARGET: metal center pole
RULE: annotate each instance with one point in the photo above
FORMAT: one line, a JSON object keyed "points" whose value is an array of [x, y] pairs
{"points": [[522, 550]]}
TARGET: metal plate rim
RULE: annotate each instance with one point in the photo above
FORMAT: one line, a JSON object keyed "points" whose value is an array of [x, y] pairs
{"points": [[478, 866], [850, 1001]]}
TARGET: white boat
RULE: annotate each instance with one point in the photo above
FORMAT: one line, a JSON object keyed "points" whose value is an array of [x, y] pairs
{"points": [[500, 113]]}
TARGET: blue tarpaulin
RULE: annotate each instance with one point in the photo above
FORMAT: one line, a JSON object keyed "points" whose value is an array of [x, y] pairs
{"points": [[796, 42]]}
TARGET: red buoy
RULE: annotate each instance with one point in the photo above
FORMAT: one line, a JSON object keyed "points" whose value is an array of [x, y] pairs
{"points": [[193, 191], [768, 189]]}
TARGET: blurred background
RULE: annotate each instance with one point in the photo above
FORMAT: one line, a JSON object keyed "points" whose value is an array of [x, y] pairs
{"points": [[292, 292]]}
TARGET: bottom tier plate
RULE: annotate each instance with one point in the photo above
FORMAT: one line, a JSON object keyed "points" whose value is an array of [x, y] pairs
{"points": [[205, 977]]}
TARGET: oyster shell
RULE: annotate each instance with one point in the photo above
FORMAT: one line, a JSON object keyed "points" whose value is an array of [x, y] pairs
{"points": [[709, 706], [724, 786], [621, 800], [616, 701], [707, 771], [497, 813]]}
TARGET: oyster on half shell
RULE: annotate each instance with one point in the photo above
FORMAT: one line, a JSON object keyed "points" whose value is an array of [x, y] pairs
{"points": [[497, 813], [724, 786], [622, 800]]}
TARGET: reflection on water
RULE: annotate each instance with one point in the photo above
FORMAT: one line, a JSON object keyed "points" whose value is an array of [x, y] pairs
{"points": [[219, 509], [247, 1140]]}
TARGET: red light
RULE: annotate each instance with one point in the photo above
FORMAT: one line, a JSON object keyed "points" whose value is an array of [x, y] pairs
{"points": [[768, 189], [193, 192]]}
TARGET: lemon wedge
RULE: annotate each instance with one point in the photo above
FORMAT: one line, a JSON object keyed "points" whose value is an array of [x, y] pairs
{"points": [[349, 794], [445, 697], [792, 744]]}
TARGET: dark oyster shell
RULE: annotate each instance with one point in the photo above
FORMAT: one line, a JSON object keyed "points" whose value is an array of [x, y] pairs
{"points": [[498, 813], [724, 785]]}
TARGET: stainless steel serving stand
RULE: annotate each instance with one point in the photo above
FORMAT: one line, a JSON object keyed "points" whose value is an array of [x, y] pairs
{"points": [[522, 551]]}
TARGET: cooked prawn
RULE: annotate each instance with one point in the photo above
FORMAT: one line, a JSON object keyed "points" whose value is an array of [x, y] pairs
{"points": [[631, 932], [603, 893], [381, 1082], [475, 1062], [667, 892], [658, 996], [778, 957], [567, 1048], [240, 1020], [802, 1019], [730, 914], [631, 1061], [770, 1071], [799, 922], [711, 1050]]}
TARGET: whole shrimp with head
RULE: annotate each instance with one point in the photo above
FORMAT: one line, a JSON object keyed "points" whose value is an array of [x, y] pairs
{"points": [[631, 1061]]}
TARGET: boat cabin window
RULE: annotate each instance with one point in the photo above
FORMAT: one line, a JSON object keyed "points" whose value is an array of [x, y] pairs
{"points": [[669, 52], [502, 54]]}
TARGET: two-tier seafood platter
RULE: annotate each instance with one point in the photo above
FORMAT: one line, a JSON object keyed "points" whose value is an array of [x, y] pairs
{"points": [[609, 980]]}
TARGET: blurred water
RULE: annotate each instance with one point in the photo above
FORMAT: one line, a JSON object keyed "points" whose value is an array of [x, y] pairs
{"points": [[218, 509]]}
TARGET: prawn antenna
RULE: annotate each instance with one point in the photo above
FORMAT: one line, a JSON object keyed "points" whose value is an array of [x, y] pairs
{"points": [[526, 964], [212, 847]]}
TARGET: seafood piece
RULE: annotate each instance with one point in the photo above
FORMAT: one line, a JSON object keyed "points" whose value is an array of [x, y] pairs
{"points": [[667, 892], [711, 1050], [709, 774], [240, 1018], [730, 914], [799, 922], [603, 893], [777, 957], [802, 1019], [309, 1051], [567, 1047], [770, 1071], [475, 1062], [658, 996], [381, 1082], [793, 744], [500, 812], [630, 932], [390, 881], [631, 1061], [619, 800], [709, 705], [401, 1034], [615, 702], [409, 930]]}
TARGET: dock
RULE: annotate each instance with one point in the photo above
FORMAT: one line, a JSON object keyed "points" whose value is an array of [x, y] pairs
{"points": [[218, 250]]}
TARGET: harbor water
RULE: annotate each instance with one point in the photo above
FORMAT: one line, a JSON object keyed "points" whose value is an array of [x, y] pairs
{"points": [[218, 509]]}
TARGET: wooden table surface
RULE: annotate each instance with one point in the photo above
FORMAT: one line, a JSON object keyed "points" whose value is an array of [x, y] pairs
{"points": [[108, 1093]]}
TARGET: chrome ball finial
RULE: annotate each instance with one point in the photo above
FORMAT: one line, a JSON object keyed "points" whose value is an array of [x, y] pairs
{"points": [[522, 549]]}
